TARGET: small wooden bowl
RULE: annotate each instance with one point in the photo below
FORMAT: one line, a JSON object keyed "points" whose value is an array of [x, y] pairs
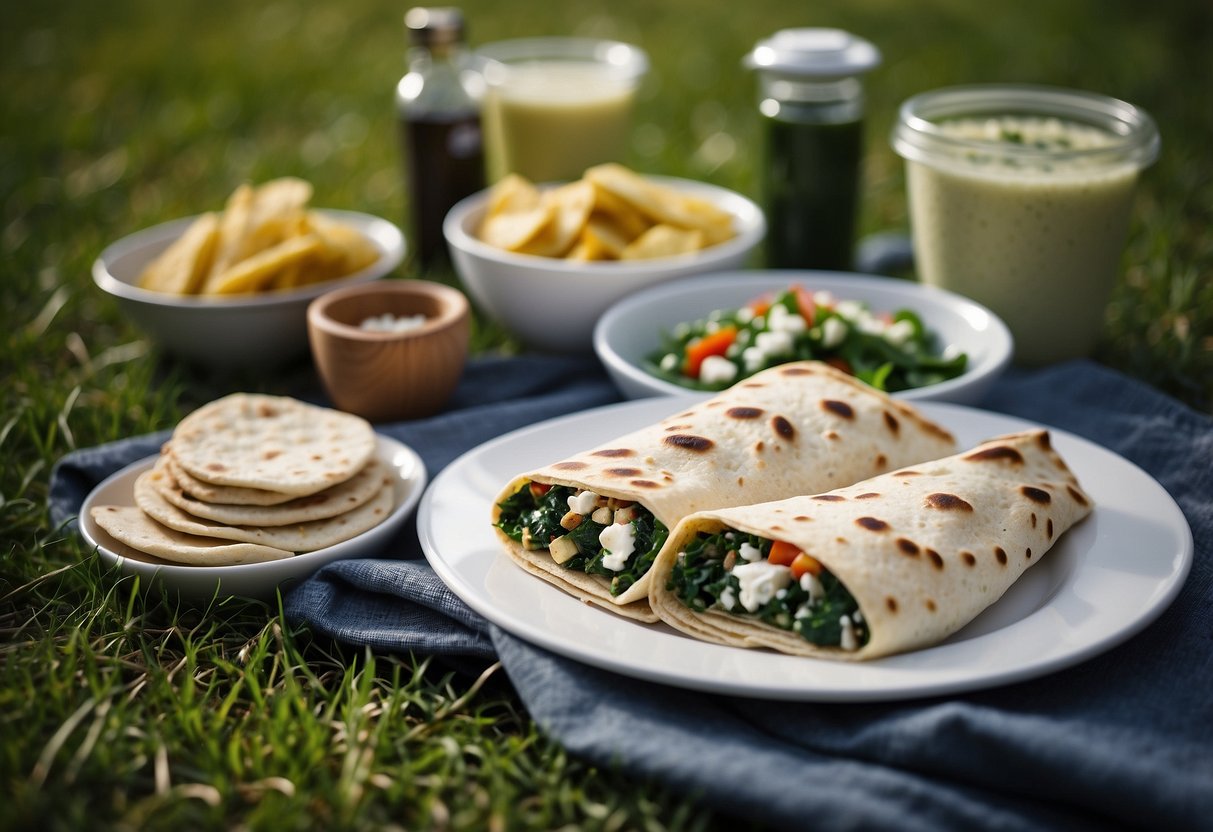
{"points": [[389, 376]]}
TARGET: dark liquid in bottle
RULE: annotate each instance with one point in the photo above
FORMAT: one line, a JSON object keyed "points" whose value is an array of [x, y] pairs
{"points": [[812, 193], [444, 163]]}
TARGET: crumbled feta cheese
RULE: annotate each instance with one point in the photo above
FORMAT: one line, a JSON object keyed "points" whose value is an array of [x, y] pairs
{"points": [[387, 322], [669, 362], [755, 359], [760, 581], [749, 552], [583, 503], [779, 319], [810, 584], [717, 368], [728, 598], [823, 298], [712, 326], [857, 617], [833, 331], [852, 310], [774, 343], [871, 325], [848, 641], [744, 315], [619, 539], [898, 333], [781, 594]]}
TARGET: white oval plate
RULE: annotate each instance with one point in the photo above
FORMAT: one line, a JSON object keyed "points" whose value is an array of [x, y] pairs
{"points": [[632, 329], [1105, 580], [252, 580]]}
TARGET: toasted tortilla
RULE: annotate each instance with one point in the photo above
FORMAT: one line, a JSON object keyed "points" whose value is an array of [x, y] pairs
{"points": [[923, 550], [798, 428]]}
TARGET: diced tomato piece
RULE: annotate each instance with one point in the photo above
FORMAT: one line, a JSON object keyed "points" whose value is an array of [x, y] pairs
{"points": [[806, 304], [840, 364], [761, 304], [783, 553], [538, 489], [713, 344], [803, 563]]}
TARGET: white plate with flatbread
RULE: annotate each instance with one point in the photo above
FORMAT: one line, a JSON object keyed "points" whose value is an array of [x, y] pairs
{"points": [[1104, 581], [254, 580]]}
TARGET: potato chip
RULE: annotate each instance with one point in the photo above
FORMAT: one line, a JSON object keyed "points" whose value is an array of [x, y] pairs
{"points": [[630, 222], [512, 193], [571, 208], [264, 239], [183, 266], [662, 204], [611, 213], [663, 241], [514, 229], [255, 273]]}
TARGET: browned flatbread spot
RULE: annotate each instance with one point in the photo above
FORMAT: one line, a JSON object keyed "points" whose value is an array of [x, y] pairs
{"points": [[891, 422], [829, 498], [783, 427], [891, 603], [930, 605], [1000, 554], [645, 484], [968, 558], [838, 408], [688, 442], [935, 558], [997, 453], [907, 546], [1036, 495], [624, 472], [1077, 495], [947, 502], [744, 412], [872, 524], [870, 495], [614, 452], [570, 465]]}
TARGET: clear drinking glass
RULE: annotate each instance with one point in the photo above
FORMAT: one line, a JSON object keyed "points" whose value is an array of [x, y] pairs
{"points": [[555, 106]]}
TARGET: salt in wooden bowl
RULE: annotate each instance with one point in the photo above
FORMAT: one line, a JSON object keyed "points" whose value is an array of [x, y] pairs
{"points": [[390, 375]]}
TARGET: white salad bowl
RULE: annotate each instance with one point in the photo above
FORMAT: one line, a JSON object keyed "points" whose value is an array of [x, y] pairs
{"points": [[632, 329], [238, 331], [553, 304]]}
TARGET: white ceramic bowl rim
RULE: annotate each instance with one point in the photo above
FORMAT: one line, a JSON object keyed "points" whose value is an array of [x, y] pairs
{"points": [[382, 233], [749, 224], [993, 361]]}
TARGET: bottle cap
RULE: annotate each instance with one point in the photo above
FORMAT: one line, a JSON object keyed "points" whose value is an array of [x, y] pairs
{"points": [[434, 25], [814, 53]]}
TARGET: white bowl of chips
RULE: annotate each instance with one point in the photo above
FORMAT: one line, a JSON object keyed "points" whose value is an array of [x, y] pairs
{"points": [[553, 302], [259, 320]]}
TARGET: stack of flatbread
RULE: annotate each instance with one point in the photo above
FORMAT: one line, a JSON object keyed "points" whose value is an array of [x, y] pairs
{"points": [[251, 478]]}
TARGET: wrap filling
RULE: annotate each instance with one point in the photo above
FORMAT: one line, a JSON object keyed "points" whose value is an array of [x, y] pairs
{"points": [[771, 581], [584, 531]]}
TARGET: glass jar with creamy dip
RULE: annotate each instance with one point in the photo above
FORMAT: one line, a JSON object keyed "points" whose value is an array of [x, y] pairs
{"points": [[1020, 198]]}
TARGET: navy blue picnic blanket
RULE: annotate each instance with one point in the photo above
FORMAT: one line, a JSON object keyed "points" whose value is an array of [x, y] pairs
{"points": [[1123, 740]]}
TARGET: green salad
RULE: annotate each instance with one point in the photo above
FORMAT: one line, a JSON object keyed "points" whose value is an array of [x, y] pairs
{"points": [[890, 352], [769, 581], [616, 539]]}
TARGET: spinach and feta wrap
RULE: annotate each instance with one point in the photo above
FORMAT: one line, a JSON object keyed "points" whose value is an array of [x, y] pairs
{"points": [[894, 563], [593, 524]]}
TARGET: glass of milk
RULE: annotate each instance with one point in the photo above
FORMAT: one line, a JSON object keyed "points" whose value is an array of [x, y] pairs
{"points": [[556, 106], [1020, 198]]}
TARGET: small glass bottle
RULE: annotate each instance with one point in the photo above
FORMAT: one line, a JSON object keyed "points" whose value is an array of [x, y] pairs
{"points": [[812, 107], [438, 105]]}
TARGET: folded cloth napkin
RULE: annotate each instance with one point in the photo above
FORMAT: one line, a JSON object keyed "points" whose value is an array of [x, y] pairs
{"points": [[1122, 740]]}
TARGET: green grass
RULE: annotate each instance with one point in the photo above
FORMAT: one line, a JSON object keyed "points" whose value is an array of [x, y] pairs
{"points": [[119, 710]]}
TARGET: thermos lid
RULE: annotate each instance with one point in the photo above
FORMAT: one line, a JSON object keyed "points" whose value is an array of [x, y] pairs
{"points": [[814, 53], [434, 25]]}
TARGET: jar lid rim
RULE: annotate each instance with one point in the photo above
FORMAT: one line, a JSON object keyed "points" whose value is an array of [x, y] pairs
{"points": [[814, 52]]}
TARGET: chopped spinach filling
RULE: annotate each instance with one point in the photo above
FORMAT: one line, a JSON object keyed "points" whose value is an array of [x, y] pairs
{"points": [[533, 519], [702, 575]]}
